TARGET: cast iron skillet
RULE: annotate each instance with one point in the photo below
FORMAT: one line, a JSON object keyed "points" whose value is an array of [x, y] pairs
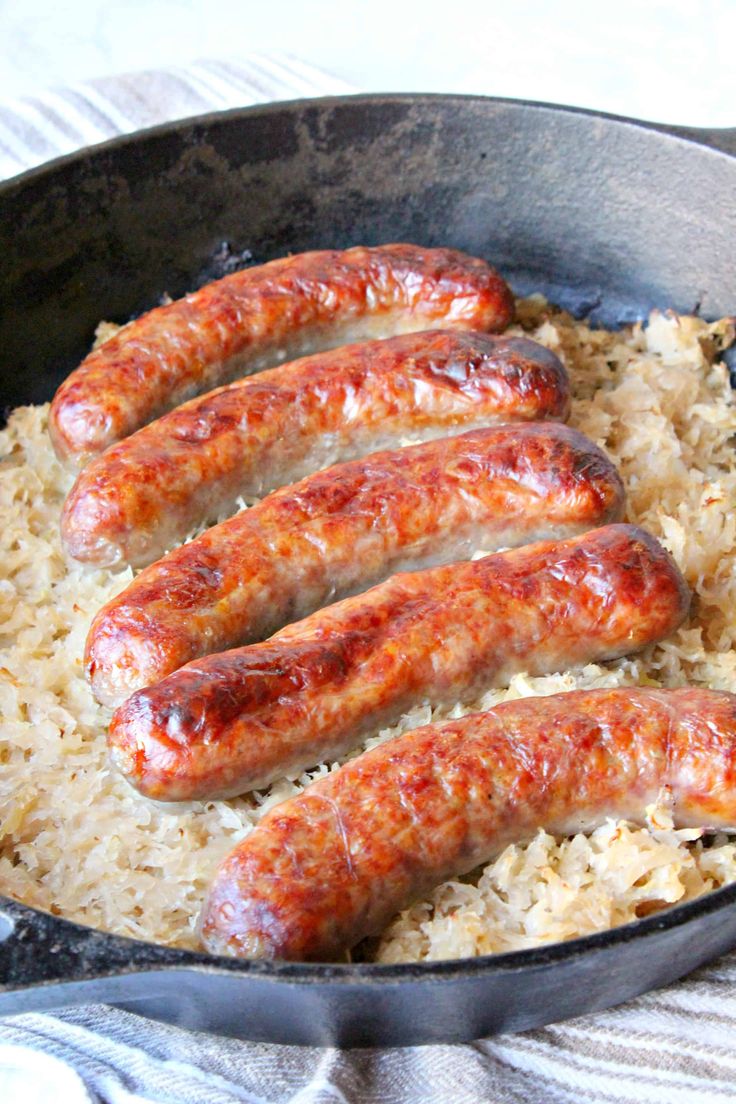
{"points": [[605, 215]]}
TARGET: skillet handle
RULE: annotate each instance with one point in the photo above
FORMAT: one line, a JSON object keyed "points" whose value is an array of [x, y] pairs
{"points": [[718, 138]]}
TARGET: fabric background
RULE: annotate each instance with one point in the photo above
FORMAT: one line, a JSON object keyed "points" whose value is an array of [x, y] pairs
{"points": [[676, 1045], [35, 129]]}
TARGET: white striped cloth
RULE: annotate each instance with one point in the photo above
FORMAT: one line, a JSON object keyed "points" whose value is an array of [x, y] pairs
{"points": [[60, 120], [674, 1046]]}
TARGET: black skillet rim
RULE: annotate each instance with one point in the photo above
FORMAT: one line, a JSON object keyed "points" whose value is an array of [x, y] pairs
{"points": [[145, 956], [162, 956], [707, 138]]}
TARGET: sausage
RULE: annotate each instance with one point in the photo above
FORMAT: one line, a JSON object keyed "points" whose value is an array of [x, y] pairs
{"points": [[259, 317], [341, 530], [237, 720], [333, 865], [148, 492]]}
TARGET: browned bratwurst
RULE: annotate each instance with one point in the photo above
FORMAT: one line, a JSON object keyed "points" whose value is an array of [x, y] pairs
{"points": [[334, 864], [261, 316], [235, 721], [146, 493], [343, 529]]}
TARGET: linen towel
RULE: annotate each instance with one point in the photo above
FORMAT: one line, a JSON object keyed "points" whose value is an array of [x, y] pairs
{"points": [[676, 1045], [61, 120]]}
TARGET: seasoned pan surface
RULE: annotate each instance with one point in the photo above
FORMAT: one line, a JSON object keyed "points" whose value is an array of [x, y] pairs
{"points": [[603, 215]]}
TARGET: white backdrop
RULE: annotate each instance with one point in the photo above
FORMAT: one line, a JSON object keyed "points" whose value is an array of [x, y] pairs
{"points": [[671, 60]]}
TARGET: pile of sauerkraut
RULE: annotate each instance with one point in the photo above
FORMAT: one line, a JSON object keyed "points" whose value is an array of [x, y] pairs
{"points": [[75, 839]]}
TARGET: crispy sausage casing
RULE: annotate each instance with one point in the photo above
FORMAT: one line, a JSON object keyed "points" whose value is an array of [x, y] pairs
{"points": [[261, 316], [149, 491], [235, 721], [342, 530], [333, 865]]}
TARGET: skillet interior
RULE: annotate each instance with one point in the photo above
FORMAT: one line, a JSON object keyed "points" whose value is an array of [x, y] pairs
{"points": [[603, 215]]}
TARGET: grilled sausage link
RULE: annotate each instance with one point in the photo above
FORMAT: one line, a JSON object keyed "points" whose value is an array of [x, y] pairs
{"points": [[341, 530], [146, 493], [333, 865], [235, 721], [261, 316]]}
